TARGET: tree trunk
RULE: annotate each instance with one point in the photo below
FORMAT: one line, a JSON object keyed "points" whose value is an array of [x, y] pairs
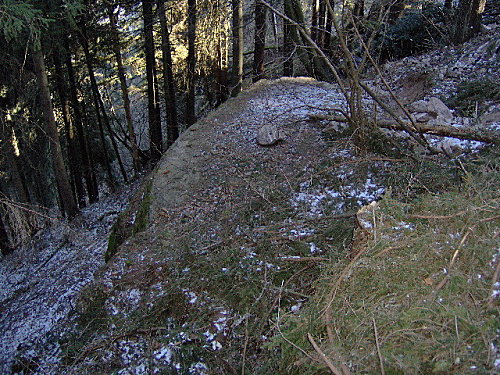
{"points": [[313, 66], [322, 16], [260, 40], [95, 97], [288, 48], [72, 150], [238, 46], [168, 78], [5, 247], [191, 64], [67, 199], [359, 9], [221, 67], [468, 19], [7, 137], [314, 20], [155, 133], [327, 34], [86, 157], [115, 37], [396, 8]]}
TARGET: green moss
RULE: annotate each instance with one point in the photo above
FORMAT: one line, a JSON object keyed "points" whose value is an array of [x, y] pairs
{"points": [[130, 222]]}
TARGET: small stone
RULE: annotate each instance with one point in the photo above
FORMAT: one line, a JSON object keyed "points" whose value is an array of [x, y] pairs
{"points": [[269, 135]]}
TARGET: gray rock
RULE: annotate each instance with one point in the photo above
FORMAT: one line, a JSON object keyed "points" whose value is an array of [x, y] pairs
{"points": [[434, 107], [269, 135]]}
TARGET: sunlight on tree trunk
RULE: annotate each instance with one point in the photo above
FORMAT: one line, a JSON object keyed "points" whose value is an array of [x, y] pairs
{"points": [[238, 46], [67, 199]]}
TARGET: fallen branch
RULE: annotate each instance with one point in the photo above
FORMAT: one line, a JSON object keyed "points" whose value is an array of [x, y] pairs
{"points": [[487, 136], [323, 356], [304, 259], [379, 353]]}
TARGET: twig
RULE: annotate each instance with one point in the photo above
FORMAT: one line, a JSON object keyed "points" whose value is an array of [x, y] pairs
{"points": [[245, 347], [327, 311], [281, 333], [380, 358], [452, 262], [323, 356], [304, 259], [494, 281]]}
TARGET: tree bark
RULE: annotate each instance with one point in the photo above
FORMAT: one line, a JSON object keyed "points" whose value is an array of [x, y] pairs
{"points": [[238, 46], [71, 142], [468, 19], [68, 202], [396, 8], [115, 37], [7, 137], [260, 41], [86, 156], [314, 20], [168, 78], [155, 133], [95, 97], [221, 67], [288, 48], [191, 64], [5, 247]]}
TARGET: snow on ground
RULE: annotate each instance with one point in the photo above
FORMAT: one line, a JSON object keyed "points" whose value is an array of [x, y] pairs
{"points": [[41, 280]]}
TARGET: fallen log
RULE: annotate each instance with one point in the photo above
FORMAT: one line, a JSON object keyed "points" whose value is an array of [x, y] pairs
{"points": [[471, 134]]}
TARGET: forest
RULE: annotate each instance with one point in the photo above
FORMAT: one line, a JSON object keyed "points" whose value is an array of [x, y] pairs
{"points": [[249, 186], [94, 92]]}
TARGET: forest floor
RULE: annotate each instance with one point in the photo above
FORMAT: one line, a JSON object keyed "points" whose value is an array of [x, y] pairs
{"points": [[237, 258]]}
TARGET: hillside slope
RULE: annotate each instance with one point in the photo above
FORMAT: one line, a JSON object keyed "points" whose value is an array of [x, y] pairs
{"points": [[235, 257]]}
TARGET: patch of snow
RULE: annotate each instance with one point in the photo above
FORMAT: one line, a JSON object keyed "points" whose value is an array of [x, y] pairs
{"points": [[41, 281]]}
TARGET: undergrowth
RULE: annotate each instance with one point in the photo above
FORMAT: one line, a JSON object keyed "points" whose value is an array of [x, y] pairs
{"points": [[418, 297]]}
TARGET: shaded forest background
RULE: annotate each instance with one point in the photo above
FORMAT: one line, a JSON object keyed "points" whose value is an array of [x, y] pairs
{"points": [[92, 93]]}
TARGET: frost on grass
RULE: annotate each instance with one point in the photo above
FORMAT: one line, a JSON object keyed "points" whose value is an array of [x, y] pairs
{"points": [[41, 280], [321, 200]]}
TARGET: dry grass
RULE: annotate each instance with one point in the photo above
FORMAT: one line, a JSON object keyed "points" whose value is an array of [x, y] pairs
{"points": [[418, 298]]}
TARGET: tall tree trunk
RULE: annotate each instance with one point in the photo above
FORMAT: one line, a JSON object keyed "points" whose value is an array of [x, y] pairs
{"points": [[328, 29], [71, 142], [67, 199], [168, 78], [191, 64], [313, 66], [322, 15], [468, 19], [260, 40], [155, 133], [86, 157], [221, 66], [5, 247], [115, 36], [359, 9], [288, 49], [9, 154], [396, 8], [314, 20], [95, 97], [238, 46]]}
